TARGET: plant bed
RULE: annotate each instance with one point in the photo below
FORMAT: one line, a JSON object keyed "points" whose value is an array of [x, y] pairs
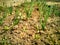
{"points": [[29, 24]]}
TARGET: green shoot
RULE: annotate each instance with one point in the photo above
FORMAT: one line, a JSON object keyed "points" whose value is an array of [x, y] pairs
{"points": [[37, 27], [56, 10], [10, 9], [43, 26], [2, 9], [48, 12], [4, 15], [26, 10], [1, 21], [6, 28], [37, 36], [30, 9], [45, 11], [17, 17], [17, 12], [5, 41], [15, 21]]}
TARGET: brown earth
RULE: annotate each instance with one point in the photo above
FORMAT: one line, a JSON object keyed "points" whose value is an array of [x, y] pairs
{"points": [[26, 32]]}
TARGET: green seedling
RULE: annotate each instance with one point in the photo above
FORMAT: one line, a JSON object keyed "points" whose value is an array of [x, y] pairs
{"points": [[1, 21], [2, 9], [6, 9], [37, 36], [30, 9], [6, 28], [4, 41], [45, 11], [37, 27], [41, 5], [4, 14], [43, 26], [57, 13], [56, 10], [16, 20], [26, 10], [17, 12], [17, 17], [10, 9], [24, 29]]}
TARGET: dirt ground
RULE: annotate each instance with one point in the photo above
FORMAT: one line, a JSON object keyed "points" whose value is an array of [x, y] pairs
{"points": [[29, 32]]}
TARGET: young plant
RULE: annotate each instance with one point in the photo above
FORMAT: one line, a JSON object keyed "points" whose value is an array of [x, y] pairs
{"points": [[37, 36], [56, 10], [30, 9], [3, 9], [5, 41], [10, 9], [1, 21], [4, 15], [45, 11], [48, 11], [37, 27], [15, 21], [6, 28], [17, 17]]}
